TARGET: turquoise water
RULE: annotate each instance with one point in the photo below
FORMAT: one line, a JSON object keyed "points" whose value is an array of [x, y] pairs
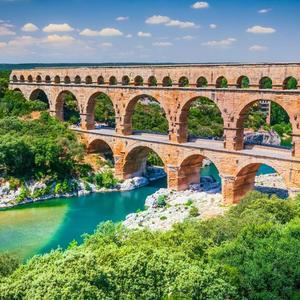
{"points": [[39, 227]]}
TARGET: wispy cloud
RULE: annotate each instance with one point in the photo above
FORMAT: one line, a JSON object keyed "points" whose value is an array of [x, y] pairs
{"points": [[261, 30], [220, 43], [200, 5], [167, 21]]}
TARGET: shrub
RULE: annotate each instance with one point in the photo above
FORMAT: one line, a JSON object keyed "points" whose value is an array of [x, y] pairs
{"points": [[161, 201], [194, 211], [24, 194]]}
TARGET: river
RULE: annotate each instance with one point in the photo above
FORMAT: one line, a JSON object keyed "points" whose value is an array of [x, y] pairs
{"points": [[39, 227]]}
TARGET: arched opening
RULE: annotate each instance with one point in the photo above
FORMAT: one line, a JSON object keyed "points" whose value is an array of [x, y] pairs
{"points": [[167, 81], [100, 112], [145, 114], [152, 81], [100, 80], [260, 177], [100, 147], [243, 82], [22, 78], [125, 80], [265, 83], [15, 78], [265, 122], [38, 79], [67, 80], [199, 173], [39, 95], [183, 82], [201, 118], [88, 80], [56, 79], [142, 161], [77, 79], [290, 83], [202, 82], [67, 108], [113, 80], [47, 79], [30, 78], [221, 83], [138, 81]]}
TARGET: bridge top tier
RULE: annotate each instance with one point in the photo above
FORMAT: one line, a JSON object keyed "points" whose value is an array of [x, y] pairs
{"points": [[142, 74]]}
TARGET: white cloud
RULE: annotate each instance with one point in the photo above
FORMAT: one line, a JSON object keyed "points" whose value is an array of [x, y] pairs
{"points": [[162, 44], [157, 19], [220, 43], [129, 36], [23, 41], [181, 24], [121, 19], [144, 34], [258, 48], [106, 45], [2, 45], [58, 28], [200, 5], [110, 32], [186, 38], [89, 32], [213, 26], [29, 27], [59, 39], [261, 30], [5, 30], [264, 10]]}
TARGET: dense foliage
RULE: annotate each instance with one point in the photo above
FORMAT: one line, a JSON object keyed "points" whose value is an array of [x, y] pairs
{"points": [[250, 253]]}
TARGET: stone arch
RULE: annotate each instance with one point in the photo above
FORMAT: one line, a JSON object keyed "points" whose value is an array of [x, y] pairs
{"points": [[48, 79], [67, 80], [125, 80], [30, 78], [189, 170], [90, 110], [39, 94], [243, 82], [138, 81], [22, 78], [167, 81], [113, 80], [99, 146], [15, 78], [183, 81], [56, 79], [18, 90], [265, 83], [221, 83], [88, 80], [100, 80], [152, 81], [129, 110], [290, 83], [202, 82], [77, 79], [182, 131], [244, 179], [135, 161], [60, 103], [38, 79]]}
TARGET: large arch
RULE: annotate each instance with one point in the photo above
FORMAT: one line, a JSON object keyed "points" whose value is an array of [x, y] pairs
{"points": [[61, 107], [108, 116], [129, 111], [39, 94], [101, 147]]}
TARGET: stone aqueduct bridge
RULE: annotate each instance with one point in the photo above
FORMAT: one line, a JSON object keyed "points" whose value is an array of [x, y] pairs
{"points": [[237, 164]]}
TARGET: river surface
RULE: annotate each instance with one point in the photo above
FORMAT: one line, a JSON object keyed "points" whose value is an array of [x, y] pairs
{"points": [[39, 227]]}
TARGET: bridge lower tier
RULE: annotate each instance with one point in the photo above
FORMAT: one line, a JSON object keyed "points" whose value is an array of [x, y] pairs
{"points": [[182, 162]]}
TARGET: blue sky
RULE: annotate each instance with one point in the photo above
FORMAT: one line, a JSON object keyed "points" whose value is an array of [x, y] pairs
{"points": [[149, 31]]}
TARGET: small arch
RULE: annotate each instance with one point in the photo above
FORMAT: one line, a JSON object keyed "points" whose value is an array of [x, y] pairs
{"points": [[183, 81], [221, 83], [243, 82], [38, 79], [66, 107], [125, 80], [202, 82], [113, 80], [47, 79], [101, 147], [56, 79], [77, 79], [15, 78], [22, 78], [167, 81], [138, 81], [67, 80], [265, 83], [152, 81], [290, 83], [88, 80], [100, 80], [30, 78]]}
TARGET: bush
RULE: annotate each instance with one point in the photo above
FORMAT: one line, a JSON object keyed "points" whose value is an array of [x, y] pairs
{"points": [[161, 201], [24, 194], [194, 211]]}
